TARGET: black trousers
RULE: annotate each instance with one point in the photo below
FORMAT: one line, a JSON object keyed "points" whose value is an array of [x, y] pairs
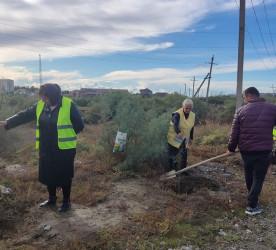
{"points": [[255, 169], [177, 157], [66, 191]]}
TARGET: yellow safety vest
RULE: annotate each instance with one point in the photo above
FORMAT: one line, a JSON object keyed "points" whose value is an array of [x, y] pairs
{"points": [[185, 126], [274, 134], [66, 135]]}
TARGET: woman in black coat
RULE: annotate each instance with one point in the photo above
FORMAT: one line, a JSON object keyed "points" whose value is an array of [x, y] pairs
{"points": [[56, 155]]}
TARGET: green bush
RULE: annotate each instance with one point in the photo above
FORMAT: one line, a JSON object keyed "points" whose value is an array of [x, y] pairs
{"points": [[146, 134], [93, 114], [222, 113], [155, 140], [270, 98], [218, 137], [83, 102], [130, 118], [200, 109], [110, 102]]}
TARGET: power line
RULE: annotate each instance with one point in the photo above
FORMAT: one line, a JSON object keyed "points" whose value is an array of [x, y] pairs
{"points": [[261, 33], [40, 71], [255, 45], [269, 27]]}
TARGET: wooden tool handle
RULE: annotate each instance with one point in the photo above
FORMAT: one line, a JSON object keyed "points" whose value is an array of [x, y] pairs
{"points": [[200, 163]]}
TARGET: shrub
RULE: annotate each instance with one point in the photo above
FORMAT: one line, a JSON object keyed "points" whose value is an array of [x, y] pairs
{"points": [[218, 137], [146, 134], [155, 140], [93, 114], [130, 119], [83, 102], [110, 102]]}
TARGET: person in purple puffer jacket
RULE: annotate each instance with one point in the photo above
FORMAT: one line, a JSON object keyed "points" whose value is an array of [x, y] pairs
{"points": [[251, 132]]}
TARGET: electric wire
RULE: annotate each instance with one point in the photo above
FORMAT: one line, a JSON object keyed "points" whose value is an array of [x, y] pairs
{"points": [[72, 37], [248, 33], [269, 27], [261, 33]]}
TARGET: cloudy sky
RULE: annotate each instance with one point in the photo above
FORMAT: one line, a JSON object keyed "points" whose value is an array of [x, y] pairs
{"points": [[157, 44]]}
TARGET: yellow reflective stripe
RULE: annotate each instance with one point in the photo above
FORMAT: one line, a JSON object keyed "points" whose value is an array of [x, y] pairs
{"points": [[177, 139], [67, 139], [64, 126]]}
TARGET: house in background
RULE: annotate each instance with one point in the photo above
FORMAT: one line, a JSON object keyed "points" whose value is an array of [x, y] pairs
{"points": [[84, 92], [146, 92], [74, 93], [93, 92], [24, 92], [6, 85], [160, 94]]}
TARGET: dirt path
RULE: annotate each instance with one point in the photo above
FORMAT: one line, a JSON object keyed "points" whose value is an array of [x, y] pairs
{"points": [[127, 197]]}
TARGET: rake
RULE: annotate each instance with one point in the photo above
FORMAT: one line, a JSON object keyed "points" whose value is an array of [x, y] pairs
{"points": [[173, 174]]}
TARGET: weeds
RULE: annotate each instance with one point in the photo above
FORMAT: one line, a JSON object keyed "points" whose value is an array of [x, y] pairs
{"points": [[191, 218]]}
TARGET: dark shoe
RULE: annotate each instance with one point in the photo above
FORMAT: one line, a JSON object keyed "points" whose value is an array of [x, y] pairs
{"points": [[50, 202], [253, 211], [64, 207]]}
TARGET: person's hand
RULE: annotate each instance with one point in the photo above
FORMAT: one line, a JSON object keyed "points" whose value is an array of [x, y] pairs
{"points": [[190, 142], [3, 123], [230, 153], [180, 135]]}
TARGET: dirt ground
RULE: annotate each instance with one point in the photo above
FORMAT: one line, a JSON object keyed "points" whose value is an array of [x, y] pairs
{"points": [[126, 197], [41, 227]]}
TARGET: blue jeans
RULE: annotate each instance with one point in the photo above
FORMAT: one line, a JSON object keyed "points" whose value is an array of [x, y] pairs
{"points": [[255, 169]]}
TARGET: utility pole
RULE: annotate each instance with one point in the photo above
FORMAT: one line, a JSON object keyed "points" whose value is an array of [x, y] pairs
{"points": [[273, 89], [193, 85], [185, 93], [210, 73], [194, 80], [40, 71], [240, 55], [201, 85]]}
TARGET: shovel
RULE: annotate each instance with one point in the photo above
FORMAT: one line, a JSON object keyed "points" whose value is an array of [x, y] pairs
{"points": [[173, 174]]}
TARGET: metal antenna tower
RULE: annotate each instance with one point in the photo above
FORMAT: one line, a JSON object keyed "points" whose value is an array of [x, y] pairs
{"points": [[40, 72]]}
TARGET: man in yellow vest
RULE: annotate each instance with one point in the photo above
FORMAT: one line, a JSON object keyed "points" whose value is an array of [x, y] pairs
{"points": [[180, 136]]}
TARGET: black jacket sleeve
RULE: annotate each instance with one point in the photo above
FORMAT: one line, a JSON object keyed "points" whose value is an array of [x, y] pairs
{"points": [[192, 133], [76, 119], [22, 117], [175, 120]]}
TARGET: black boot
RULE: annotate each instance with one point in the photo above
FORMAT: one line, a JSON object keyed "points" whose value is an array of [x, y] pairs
{"points": [[66, 205], [49, 202]]}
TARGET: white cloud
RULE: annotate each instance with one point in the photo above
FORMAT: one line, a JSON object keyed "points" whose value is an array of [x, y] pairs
{"points": [[158, 79], [74, 28]]}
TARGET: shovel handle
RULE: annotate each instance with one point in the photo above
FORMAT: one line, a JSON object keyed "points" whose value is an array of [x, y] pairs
{"points": [[200, 163], [172, 175]]}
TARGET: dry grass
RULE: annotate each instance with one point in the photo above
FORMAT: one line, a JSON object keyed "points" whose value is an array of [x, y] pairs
{"points": [[209, 127], [187, 218]]}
